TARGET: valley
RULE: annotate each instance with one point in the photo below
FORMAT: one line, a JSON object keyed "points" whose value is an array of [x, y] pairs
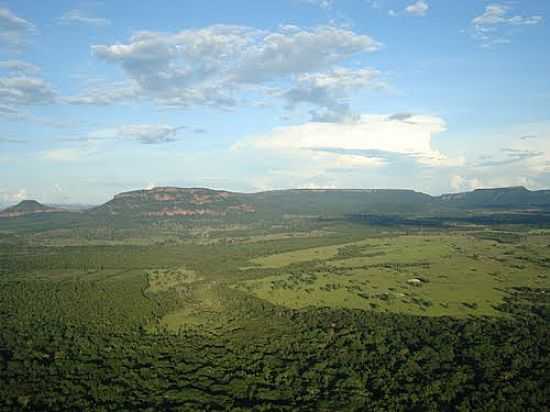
{"points": [[314, 305]]}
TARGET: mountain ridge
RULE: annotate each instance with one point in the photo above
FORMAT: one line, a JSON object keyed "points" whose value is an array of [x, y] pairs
{"points": [[169, 201]]}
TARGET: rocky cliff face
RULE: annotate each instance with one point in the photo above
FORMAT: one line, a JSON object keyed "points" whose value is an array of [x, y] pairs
{"points": [[173, 201]]}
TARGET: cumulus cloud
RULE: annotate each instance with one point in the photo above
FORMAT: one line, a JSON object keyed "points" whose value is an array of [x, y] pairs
{"points": [[420, 8], [13, 29], [294, 51], [489, 27], [395, 150], [328, 92], [209, 66], [77, 16], [373, 151], [371, 140]]}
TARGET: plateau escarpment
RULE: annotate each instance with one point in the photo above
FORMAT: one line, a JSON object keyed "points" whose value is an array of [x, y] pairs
{"points": [[173, 201]]}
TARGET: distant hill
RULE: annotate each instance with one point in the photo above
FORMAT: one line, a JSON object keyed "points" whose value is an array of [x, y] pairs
{"points": [[337, 202], [508, 197], [28, 207]]}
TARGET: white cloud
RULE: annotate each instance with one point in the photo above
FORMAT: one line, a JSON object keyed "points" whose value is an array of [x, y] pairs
{"points": [[460, 183], [398, 150], [294, 51], [24, 90], [324, 4], [209, 66], [105, 95], [141, 133], [8, 111], [76, 16], [13, 29], [370, 132], [19, 67], [518, 155], [498, 14], [13, 196], [148, 134], [488, 27], [329, 91], [420, 8], [313, 150]]}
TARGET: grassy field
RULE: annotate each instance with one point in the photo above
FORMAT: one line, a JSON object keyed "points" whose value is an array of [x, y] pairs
{"points": [[442, 274]]}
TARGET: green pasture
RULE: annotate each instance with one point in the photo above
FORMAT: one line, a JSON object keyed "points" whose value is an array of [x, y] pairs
{"points": [[452, 274]]}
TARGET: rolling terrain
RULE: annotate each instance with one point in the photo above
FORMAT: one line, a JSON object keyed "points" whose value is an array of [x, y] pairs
{"points": [[199, 299]]}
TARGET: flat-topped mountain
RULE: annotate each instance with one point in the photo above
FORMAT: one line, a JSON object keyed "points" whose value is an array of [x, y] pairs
{"points": [[28, 207], [517, 197], [173, 201], [197, 202], [335, 202]]}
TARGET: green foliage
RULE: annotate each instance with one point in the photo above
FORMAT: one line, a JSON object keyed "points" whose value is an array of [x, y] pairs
{"points": [[93, 319]]}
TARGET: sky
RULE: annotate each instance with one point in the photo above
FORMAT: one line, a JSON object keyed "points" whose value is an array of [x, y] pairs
{"points": [[438, 96]]}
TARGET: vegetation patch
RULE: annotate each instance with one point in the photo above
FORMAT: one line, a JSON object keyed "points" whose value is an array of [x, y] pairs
{"points": [[162, 280]]}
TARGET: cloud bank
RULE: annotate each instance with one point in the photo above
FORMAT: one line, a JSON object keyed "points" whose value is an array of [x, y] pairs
{"points": [[213, 66]]}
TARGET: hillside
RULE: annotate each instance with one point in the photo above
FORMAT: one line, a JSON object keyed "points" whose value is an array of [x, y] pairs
{"points": [[28, 207], [337, 202], [168, 202], [509, 197], [200, 202], [172, 201]]}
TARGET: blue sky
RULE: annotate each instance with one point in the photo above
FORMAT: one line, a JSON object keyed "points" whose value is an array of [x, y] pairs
{"points": [[436, 95]]}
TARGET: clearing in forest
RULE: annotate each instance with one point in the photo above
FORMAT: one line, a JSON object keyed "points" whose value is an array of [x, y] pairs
{"points": [[452, 274]]}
